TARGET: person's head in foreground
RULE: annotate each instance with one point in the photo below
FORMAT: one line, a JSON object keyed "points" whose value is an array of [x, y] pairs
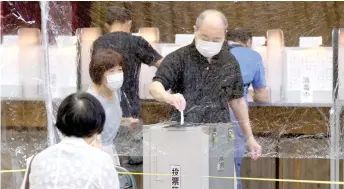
{"points": [[240, 36], [210, 32], [106, 70], [81, 115], [118, 19], [75, 162]]}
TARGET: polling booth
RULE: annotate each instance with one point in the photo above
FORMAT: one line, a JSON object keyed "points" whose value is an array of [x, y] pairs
{"points": [[299, 128], [296, 76]]}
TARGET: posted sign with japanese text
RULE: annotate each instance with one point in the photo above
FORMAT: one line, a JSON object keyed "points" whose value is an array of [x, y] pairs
{"points": [[175, 177]]}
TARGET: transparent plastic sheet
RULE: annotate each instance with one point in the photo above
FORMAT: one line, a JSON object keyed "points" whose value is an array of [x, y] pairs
{"points": [[290, 133], [29, 103]]}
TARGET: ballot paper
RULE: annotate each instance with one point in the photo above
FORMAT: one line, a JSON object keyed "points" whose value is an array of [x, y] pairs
{"points": [[182, 117]]}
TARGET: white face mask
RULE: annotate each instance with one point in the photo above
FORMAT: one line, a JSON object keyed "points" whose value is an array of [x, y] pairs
{"points": [[208, 49], [115, 81]]}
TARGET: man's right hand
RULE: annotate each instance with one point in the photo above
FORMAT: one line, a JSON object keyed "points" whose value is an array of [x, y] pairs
{"points": [[177, 100]]}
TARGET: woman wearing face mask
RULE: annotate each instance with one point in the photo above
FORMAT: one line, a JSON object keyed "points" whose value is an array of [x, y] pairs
{"points": [[107, 77], [77, 161]]}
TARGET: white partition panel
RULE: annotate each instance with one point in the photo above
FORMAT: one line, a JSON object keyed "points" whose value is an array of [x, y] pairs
{"points": [[341, 64], [31, 71], [310, 41], [88, 36], [166, 48], [63, 70], [308, 75], [9, 72], [30, 57], [184, 39], [145, 80], [258, 41], [275, 44], [22, 71], [147, 73], [262, 50], [10, 40]]}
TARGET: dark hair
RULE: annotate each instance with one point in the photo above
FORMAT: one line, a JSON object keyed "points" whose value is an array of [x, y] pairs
{"points": [[80, 115], [239, 35], [117, 14], [103, 60]]}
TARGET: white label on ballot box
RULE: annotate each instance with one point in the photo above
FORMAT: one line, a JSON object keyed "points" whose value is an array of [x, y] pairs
{"points": [[175, 177]]}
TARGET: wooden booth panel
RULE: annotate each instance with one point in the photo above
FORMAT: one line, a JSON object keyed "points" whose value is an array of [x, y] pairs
{"points": [[264, 167], [304, 169], [23, 114], [304, 160], [277, 121], [289, 120], [265, 120]]}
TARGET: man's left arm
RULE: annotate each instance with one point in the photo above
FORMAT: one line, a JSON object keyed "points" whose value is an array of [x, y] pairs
{"points": [[238, 105], [147, 54]]}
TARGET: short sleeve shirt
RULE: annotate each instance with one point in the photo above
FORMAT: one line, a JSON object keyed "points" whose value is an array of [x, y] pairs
{"points": [[252, 70], [73, 163], [206, 86], [135, 51], [113, 114], [251, 65]]}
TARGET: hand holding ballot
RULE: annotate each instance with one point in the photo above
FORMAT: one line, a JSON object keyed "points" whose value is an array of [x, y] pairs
{"points": [[177, 100]]}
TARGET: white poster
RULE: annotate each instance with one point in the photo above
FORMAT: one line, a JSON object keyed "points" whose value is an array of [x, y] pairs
{"points": [[175, 177], [294, 65], [313, 63]]}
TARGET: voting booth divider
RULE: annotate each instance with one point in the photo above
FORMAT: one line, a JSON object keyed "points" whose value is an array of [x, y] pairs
{"points": [[296, 76], [287, 68]]}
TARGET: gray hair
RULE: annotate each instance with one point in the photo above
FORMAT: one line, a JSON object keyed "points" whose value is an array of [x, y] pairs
{"points": [[205, 13]]}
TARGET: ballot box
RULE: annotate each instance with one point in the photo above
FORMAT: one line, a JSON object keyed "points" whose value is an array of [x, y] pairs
{"points": [[188, 156]]}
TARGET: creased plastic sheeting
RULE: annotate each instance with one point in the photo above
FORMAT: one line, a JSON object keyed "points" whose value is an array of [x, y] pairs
{"points": [[284, 131], [34, 102], [19, 144]]}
